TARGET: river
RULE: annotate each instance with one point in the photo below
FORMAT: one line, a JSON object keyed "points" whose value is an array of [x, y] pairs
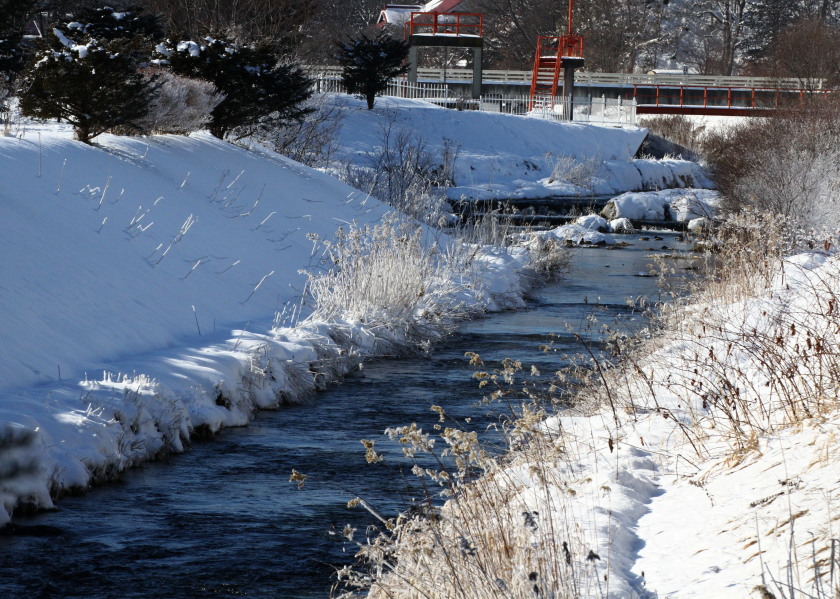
{"points": [[223, 520]]}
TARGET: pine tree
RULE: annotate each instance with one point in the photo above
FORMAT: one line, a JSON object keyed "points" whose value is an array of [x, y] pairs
{"points": [[258, 89], [91, 82], [108, 24], [13, 15], [370, 63]]}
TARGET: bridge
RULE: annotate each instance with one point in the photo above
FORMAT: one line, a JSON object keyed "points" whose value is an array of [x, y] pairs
{"points": [[654, 93]]}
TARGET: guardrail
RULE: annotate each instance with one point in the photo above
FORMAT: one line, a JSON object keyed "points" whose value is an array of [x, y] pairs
{"points": [[607, 79], [435, 23]]}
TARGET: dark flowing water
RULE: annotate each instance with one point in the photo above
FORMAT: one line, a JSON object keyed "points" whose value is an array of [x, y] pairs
{"points": [[223, 520]]}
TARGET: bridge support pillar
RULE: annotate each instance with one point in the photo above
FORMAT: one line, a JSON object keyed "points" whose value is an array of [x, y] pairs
{"points": [[478, 74], [444, 41], [569, 91], [412, 65], [569, 64]]}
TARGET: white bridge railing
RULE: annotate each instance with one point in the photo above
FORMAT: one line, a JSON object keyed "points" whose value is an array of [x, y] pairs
{"points": [[598, 111], [396, 87], [607, 111], [603, 79]]}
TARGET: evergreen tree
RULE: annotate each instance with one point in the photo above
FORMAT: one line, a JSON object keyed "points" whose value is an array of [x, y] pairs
{"points": [[108, 24], [13, 16], [370, 63], [11, 59], [93, 83], [258, 89]]}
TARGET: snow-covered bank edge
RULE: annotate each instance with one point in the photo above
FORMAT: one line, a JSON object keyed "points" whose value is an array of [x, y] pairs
{"points": [[68, 436]]}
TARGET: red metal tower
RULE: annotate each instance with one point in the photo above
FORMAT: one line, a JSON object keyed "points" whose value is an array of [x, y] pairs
{"points": [[553, 54]]}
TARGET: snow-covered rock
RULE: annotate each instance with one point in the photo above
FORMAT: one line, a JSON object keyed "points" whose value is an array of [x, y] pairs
{"points": [[622, 226], [593, 222], [677, 205], [574, 234]]}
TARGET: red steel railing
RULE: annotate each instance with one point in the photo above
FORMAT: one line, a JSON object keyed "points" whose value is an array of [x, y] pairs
{"points": [[689, 96], [571, 46], [564, 46], [450, 23]]}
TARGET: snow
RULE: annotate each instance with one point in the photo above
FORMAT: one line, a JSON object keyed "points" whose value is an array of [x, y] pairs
{"points": [[146, 284], [191, 47], [139, 278], [140, 243], [680, 205]]}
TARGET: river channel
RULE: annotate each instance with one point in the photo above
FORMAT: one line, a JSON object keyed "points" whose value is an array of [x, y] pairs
{"points": [[222, 520]]}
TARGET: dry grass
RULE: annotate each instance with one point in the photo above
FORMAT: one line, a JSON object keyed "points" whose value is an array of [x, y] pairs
{"points": [[511, 525]]}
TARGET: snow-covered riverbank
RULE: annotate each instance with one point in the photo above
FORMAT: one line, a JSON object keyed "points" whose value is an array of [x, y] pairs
{"points": [[512, 157], [148, 285]]}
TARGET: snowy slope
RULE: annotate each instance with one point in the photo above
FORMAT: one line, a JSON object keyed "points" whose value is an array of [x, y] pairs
{"points": [[679, 500], [139, 244], [141, 283], [507, 156]]}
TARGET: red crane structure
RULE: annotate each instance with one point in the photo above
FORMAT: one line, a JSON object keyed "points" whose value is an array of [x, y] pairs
{"points": [[553, 54]]}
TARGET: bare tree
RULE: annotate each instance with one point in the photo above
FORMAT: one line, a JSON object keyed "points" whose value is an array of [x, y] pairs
{"points": [[334, 19], [714, 44], [243, 20], [620, 36], [810, 52]]}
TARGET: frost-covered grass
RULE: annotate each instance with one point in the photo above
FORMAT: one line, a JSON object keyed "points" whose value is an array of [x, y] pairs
{"points": [[410, 287]]}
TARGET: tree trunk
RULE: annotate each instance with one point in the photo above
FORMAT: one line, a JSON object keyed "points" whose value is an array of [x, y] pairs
{"points": [[82, 133]]}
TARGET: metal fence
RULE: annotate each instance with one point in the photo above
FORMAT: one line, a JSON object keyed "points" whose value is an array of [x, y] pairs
{"points": [[603, 111], [396, 87], [599, 111], [607, 79]]}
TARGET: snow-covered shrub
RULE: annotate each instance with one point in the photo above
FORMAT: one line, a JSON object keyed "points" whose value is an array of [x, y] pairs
{"points": [[12, 58], [5, 105], [86, 73], [402, 172], [574, 171], [311, 140], [180, 104], [259, 89], [94, 88], [389, 278]]}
